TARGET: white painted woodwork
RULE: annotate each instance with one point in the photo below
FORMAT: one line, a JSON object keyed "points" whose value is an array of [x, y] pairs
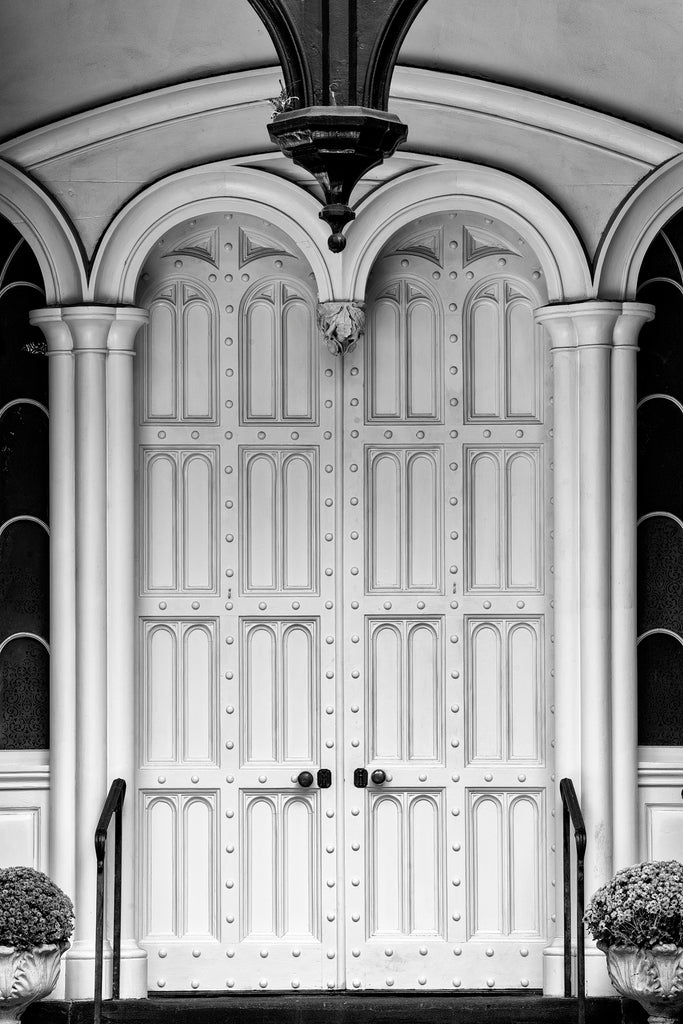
{"points": [[344, 565]]}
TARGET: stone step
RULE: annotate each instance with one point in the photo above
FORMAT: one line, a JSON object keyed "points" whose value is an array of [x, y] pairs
{"points": [[337, 1008]]}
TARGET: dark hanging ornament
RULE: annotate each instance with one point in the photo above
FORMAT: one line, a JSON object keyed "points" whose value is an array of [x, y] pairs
{"points": [[331, 118]]}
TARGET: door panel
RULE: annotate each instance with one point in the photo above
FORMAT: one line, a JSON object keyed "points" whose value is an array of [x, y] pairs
{"points": [[343, 564]]}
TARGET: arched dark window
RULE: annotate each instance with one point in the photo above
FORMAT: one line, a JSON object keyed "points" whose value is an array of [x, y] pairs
{"points": [[660, 493], [24, 539]]}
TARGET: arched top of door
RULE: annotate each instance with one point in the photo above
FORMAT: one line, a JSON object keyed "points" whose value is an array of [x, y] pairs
{"points": [[215, 188], [47, 231], [454, 185], [643, 214]]}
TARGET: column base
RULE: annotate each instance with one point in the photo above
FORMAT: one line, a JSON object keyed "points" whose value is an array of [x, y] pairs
{"points": [[553, 968], [79, 971], [133, 971], [597, 978]]}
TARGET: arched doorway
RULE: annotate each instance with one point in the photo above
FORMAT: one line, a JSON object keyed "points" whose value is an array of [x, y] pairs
{"points": [[344, 566]]}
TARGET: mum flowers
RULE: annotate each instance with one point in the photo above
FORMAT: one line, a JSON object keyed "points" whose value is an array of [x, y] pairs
{"points": [[33, 910], [641, 906]]}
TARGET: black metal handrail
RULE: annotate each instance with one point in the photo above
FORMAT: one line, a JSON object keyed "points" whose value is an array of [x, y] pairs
{"points": [[572, 810], [113, 805]]}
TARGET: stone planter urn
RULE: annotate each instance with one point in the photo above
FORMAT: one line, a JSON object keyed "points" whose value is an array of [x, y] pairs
{"points": [[26, 975], [653, 977]]}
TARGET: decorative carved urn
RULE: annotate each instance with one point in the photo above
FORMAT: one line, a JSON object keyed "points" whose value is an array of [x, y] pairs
{"points": [[653, 977], [27, 975]]}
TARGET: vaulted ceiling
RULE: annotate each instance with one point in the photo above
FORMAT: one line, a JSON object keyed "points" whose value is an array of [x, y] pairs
{"points": [[58, 57]]}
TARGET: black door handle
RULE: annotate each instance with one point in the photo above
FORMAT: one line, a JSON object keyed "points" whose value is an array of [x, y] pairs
{"points": [[379, 776], [305, 779]]}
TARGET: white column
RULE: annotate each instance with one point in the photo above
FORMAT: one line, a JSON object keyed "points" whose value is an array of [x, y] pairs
{"points": [[567, 717], [62, 601], [121, 622], [89, 326], [587, 329], [624, 625]]}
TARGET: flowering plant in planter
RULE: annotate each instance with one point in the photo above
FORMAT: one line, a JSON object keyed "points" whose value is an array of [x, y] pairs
{"points": [[36, 922], [637, 920]]}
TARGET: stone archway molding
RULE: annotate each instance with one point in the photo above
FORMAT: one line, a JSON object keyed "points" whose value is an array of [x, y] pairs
{"points": [[38, 218], [464, 186], [214, 188], [645, 212]]}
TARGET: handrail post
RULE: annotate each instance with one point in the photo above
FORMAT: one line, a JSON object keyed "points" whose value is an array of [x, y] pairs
{"points": [[567, 921], [113, 807], [571, 809], [116, 966]]}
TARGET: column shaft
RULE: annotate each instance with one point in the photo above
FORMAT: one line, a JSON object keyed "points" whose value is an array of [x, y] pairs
{"points": [[624, 585], [121, 620], [62, 598]]}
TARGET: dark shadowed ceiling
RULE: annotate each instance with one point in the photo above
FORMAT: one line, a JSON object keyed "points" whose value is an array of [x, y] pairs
{"points": [[58, 57]]}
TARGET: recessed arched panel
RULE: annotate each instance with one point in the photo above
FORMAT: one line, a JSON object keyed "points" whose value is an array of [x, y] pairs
{"points": [[258, 357], [660, 690], [300, 871], [487, 870], [523, 694], [198, 361], [384, 341], [522, 522], [260, 860], [521, 384], [200, 709], [485, 682], [387, 867], [660, 574], [24, 450], [385, 689], [423, 358], [200, 865], [484, 358], [260, 522], [198, 523], [386, 521], [424, 534], [259, 694], [160, 362], [299, 532], [298, 362], [24, 695], [525, 842], [300, 701], [24, 558], [426, 898], [484, 541], [160, 680], [160, 484], [161, 869], [425, 697]]}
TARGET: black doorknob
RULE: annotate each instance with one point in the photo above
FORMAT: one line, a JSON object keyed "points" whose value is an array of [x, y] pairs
{"points": [[305, 779], [379, 776]]}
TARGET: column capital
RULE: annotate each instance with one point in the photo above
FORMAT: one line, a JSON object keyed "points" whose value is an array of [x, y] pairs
{"points": [[129, 320], [633, 316], [91, 328], [593, 324]]}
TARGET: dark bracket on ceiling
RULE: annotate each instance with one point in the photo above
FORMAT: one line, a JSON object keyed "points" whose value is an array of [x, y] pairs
{"points": [[337, 60]]}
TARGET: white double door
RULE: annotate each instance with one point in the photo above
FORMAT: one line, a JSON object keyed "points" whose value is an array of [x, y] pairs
{"points": [[343, 567]]}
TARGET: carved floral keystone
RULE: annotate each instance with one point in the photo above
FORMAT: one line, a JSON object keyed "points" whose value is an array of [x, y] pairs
{"points": [[342, 325]]}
